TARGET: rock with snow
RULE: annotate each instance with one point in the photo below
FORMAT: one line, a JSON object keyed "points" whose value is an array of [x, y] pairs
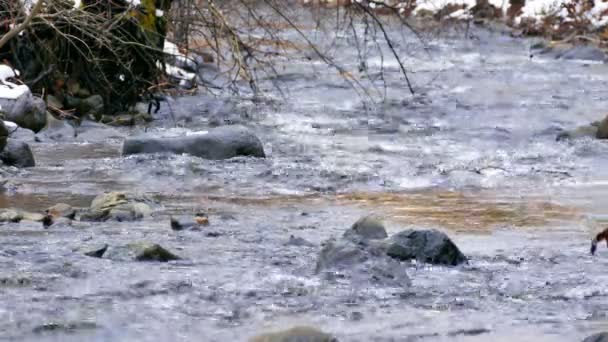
{"points": [[17, 104]]}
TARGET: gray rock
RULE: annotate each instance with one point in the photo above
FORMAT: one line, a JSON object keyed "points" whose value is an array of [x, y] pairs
{"points": [[61, 210], [10, 215], [360, 258], [298, 242], [140, 251], [599, 337], [3, 135], [430, 246], [26, 111], [117, 206], [295, 334], [17, 153], [189, 222], [368, 227], [220, 143]]}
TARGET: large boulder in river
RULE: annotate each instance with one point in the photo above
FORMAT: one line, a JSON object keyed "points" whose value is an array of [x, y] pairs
{"points": [[17, 153], [26, 111], [430, 246], [599, 337], [138, 251], [295, 334], [117, 206], [3, 135], [220, 143]]}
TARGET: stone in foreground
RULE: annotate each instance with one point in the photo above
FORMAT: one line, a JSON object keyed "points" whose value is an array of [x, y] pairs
{"points": [[429, 246], [295, 334], [220, 143], [17, 153]]}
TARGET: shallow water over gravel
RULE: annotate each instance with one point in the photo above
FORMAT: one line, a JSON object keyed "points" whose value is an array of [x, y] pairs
{"points": [[472, 153]]}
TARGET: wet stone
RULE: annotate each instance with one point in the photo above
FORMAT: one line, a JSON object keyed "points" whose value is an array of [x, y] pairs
{"points": [[140, 251], [189, 222], [430, 246], [17, 153], [64, 327], [295, 334], [117, 206]]}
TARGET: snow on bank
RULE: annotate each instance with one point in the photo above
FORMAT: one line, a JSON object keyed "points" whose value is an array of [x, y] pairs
{"points": [[8, 89]]}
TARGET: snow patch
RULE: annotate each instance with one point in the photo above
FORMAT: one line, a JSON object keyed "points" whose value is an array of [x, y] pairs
{"points": [[8, 89]]}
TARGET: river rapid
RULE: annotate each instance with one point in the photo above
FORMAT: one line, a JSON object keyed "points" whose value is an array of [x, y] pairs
{"points": [[472, 153]]}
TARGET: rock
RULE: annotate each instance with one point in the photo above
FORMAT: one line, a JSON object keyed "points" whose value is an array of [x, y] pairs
{"points": [[295, 334], [3, 135], [430, 246], [341, 253], [589, 131], [20, 133], [17, 153], [92, 105], [599, 337], [117, 206], [26, 111], [97, 252], [10, 215], [141, 251], [61, 210], [368, 227], [182, 223], [220, 143]]}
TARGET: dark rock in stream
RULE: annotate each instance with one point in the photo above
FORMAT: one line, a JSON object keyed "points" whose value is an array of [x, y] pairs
{"points": [[3, 135], [430, 246], [599, 337], [17, 153], [140, 251], [220, 143], [61, 210], [26, 111], [187, 222], [295, 334]]}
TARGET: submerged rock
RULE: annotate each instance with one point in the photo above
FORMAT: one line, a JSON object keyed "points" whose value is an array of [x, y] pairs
{"points": [[430, 246], [599, 337], [295, 334], [96, 252], [368, 227], [220, 143], [17, 153], [71, 327], [140, 251], [117, 206]]}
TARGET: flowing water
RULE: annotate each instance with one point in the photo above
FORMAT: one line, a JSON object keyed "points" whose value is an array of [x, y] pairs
{"points": [[473, 153]]}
